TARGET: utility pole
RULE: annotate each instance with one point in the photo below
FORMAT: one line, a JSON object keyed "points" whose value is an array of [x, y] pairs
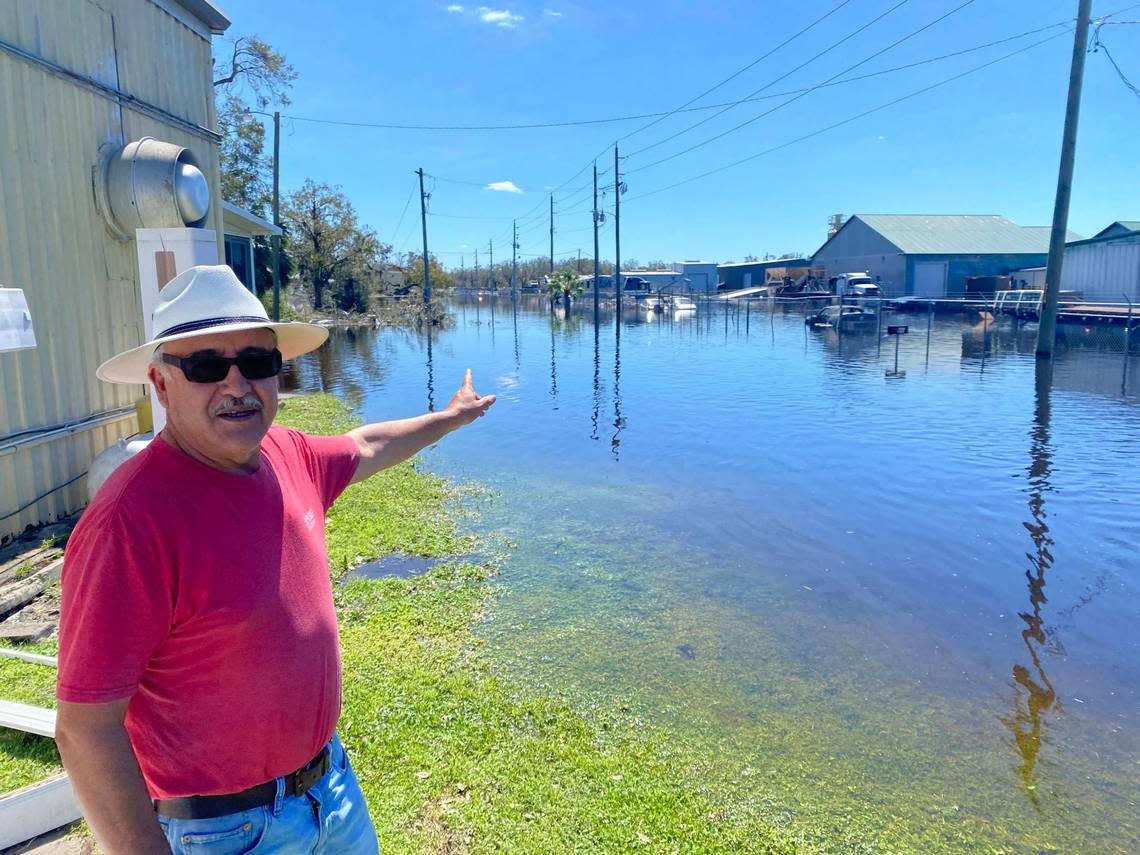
{"points": [[476, 269], [551, 232], [276, 240], [617, 234], [423, 222], [491, 247], [1047, 328], [597, 216], [514, 259], [462, 269], [579, 260]]}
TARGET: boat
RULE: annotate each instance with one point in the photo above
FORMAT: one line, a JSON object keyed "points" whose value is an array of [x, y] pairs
{"points": [[652, 303], [680, 303], [852, 316]]}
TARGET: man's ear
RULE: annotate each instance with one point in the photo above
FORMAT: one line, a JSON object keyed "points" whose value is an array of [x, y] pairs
{"points": [[158, 379]]}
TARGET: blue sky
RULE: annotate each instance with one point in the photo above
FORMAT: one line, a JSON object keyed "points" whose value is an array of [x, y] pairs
{"points": [[987, 143]]}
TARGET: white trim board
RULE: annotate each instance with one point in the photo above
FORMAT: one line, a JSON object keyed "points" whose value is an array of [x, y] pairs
{"points": [[37, 809], [27, 718]]}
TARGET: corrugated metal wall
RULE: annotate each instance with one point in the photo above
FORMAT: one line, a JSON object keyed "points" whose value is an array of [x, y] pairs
{"points": [[1106, 270], [79, 279]]}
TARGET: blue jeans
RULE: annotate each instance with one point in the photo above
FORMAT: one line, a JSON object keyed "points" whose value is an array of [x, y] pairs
{"points": [[330, 818]]}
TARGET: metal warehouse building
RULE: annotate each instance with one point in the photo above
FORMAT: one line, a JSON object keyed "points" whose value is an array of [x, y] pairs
{"points": [[1107, 266], [931, 256], [80, 79]]}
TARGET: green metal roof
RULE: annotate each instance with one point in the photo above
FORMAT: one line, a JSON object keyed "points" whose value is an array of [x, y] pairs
{"points": [[959, 234], [1120, 227]]}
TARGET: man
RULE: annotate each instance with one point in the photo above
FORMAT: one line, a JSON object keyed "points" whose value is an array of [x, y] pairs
{"points": [[199, 666]]}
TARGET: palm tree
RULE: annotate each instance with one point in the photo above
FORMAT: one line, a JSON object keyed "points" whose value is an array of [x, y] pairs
{"points": [[565, 283]]}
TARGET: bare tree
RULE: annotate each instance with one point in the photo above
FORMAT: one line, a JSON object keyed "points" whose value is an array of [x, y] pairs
{"points": [[256, 64]]}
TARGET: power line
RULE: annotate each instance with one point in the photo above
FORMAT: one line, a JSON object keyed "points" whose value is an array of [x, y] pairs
{"points": [[633, 117], [403, 213], [740, 71], [1098, 45], [773, 82], [782, 104], [846, 121]]}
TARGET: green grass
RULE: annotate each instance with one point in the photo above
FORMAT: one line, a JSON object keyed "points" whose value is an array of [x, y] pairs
{"points": [[24, 758], [23, 570]]}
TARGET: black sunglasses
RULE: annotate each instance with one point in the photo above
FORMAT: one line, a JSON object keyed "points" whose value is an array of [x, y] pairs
{"points": [[209, 367]]}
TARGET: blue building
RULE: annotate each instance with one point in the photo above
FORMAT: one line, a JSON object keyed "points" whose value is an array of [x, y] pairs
{"points": [[931, 256]]}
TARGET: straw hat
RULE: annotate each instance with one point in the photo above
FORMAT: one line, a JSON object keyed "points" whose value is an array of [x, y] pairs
{"points": [[205, 300]]}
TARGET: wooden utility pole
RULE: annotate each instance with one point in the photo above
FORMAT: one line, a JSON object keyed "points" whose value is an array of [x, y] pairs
{"points": [[276, 239], [597, 215], [1047, 328], [476, 269], [491, 247], [423, 222], [617, 234], [551, 232], [514, 259], [579, 260]]}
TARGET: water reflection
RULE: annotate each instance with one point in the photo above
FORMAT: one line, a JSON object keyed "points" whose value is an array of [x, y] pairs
{"points": [[553, 363], [619, 420], [597, 384], [1033, 692], [515, 321], [430, 376]]}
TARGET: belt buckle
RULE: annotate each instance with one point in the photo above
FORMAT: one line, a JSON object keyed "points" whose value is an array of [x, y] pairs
{"points": [[308, 775]]}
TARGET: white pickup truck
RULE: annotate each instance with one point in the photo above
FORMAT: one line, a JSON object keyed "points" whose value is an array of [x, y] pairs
{"points": [[854, 285]]}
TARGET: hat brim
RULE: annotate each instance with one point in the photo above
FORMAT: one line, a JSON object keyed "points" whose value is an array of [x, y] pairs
{"points": [[132, 366]]}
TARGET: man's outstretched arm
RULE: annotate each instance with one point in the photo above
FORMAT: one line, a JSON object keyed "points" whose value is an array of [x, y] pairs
{"points": [[385, 444]]}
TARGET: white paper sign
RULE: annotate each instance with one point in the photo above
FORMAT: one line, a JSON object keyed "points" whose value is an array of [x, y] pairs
{"points": [[15, 321]]}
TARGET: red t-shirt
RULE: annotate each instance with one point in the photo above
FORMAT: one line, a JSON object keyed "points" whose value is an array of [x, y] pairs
{"points": [[205, 597]]}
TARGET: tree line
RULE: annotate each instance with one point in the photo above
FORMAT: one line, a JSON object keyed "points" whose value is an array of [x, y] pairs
{"points": [[328, 257]]}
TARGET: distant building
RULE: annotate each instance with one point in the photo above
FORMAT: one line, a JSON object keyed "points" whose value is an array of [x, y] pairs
{"points": [[680, 276], [931, 256], [752, 274], [1105, 267], [240, 227]]}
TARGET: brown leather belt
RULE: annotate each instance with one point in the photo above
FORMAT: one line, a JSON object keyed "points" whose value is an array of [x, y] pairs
{"points": [[207, 807]]}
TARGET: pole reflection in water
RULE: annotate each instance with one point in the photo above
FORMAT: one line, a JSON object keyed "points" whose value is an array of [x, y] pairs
{"points": [[597, 384], [430, 377], [493, 296], [619, 420], [515, 320], [1034, 694], [553, 365]]}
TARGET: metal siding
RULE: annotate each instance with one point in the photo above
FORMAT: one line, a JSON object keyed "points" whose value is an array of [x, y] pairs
{"points": [[80, 281], [1107, 271], [890, 270], [856, 238]]}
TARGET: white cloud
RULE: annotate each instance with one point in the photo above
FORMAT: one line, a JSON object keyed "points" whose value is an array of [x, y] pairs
{"points": [[454, 7], [551, 13], [499, 17], [504, 187]]}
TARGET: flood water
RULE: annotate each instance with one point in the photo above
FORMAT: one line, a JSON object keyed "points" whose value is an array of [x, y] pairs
{"points": [[900, 611]]}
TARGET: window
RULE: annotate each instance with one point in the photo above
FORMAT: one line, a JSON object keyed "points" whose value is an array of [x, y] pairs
{"points": [[239, 258]]}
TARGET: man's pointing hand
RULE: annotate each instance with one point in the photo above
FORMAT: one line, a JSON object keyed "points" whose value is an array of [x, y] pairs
{"points": [[467, 404]]}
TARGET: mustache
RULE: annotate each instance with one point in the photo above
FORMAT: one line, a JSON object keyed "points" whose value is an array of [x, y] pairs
{"points": [[246, 402]]}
